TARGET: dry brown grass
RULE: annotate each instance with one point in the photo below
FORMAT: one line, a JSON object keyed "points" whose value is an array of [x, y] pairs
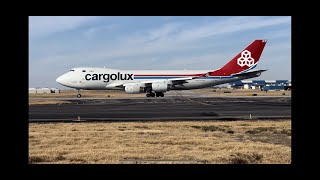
{"points": [[86, 94], [44, 101], [207, 141], [239, 92], [42, 98]]}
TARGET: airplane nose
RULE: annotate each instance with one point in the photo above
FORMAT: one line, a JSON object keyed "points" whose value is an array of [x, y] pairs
{"points": [[60, 80]]}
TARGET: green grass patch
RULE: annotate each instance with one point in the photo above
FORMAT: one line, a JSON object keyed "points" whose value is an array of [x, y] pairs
{"points": [[261, 130], [240, 158], [214, 128]]}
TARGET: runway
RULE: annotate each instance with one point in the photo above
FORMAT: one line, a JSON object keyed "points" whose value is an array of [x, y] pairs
{"points": [[163, 109]]}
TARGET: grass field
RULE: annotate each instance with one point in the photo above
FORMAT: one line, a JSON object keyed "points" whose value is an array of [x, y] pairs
{"points": [[239, 92], [211, 142], [86, 94], [42, 98]]}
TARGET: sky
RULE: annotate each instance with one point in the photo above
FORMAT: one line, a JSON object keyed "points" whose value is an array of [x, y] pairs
{"points": [[60, 43]]}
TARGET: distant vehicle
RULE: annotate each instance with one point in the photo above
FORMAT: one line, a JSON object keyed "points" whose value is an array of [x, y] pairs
{"points": [[157, 82]]}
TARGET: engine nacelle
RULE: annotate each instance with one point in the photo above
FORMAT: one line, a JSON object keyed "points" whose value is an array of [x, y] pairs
{"points": [[134, 89], [160, 86]]}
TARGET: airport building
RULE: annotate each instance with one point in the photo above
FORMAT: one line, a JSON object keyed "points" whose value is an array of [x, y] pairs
{"points": [[263, 85], [43, 90]]}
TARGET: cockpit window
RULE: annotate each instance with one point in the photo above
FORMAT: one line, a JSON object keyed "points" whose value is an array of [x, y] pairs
{"points": [[71, 70], [83, 70]]}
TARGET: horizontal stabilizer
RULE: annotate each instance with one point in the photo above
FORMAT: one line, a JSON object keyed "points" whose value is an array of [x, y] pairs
{"points": [[249, 73]]}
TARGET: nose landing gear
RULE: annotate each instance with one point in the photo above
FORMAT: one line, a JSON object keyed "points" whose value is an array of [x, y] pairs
{"points": [[78, 95]]}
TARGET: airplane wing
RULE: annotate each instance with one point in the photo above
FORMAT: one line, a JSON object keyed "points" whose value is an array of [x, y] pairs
{"points": [[115, 84], [173, 81]]}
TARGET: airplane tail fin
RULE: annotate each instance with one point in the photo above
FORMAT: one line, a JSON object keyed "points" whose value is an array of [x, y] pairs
{"points": [[246, 60]]}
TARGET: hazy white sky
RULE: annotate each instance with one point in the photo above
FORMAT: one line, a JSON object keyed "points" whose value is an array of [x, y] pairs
{"points": [[57, 44]]}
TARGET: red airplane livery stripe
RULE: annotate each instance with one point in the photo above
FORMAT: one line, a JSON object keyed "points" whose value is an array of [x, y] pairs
{"points": [[168, 74]]}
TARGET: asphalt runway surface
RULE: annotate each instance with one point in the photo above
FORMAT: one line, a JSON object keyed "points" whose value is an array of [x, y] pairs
{"points": [[163, 109]]}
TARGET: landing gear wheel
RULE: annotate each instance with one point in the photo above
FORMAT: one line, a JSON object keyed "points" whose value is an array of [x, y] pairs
{"points": [[148, 95], [159, 94], [152, 94]]}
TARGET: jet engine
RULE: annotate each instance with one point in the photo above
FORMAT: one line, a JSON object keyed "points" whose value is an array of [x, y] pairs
{"points": [[134, 89], [161, 86]]}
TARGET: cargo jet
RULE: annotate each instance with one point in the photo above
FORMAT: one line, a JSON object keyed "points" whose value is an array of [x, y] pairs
{"points": [[157, 82]]}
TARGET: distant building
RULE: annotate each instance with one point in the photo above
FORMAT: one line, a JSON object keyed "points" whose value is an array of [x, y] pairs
{"points": [[43, 90], [32, 90], [264, 85], [55, 90]]}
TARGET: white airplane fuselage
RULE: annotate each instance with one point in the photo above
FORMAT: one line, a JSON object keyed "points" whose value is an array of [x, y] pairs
{"points": [[89, 78], [157, 82]]}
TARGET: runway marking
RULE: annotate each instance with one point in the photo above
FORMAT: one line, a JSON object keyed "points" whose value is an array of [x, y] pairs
{"points": [[192, 100]]}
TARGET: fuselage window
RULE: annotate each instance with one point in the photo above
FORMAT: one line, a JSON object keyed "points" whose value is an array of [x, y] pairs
{"points": [[71, 70], [83, 70]]}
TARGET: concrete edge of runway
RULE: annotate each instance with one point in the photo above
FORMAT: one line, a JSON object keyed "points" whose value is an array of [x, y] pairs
{"points": [[220, 118], [128, 98]]}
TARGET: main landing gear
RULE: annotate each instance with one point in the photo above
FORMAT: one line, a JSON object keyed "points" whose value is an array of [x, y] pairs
{"points": [[157, 94], [78, 95]]}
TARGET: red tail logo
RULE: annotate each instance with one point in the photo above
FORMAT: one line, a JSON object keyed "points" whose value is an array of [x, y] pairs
{"points": [[246, 59]]}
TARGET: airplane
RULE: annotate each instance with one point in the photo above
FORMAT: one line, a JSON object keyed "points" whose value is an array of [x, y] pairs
{"points": [[157, 82]]}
